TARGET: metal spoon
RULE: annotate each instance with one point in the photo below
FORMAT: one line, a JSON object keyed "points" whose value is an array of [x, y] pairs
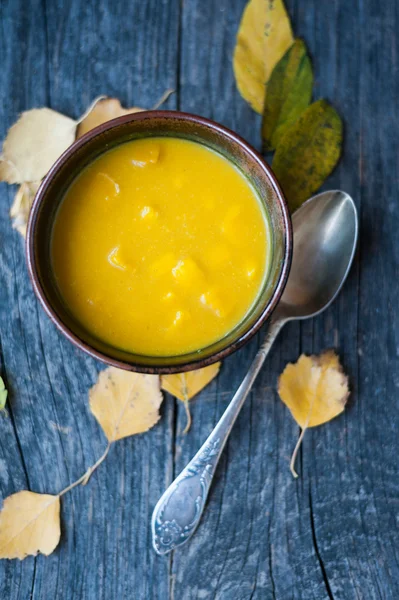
{"points": [[325, 236]]}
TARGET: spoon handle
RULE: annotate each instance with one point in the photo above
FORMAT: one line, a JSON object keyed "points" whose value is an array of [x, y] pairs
{"points": [[179, 510]]}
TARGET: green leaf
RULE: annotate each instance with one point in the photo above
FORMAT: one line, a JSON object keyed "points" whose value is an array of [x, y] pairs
{"points": [[288, 94], [3, 394], [308, 152]]}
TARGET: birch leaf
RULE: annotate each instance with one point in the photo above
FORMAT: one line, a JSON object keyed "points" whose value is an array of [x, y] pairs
{"points": [[29, 523], [263, 38], [19, 211], [185, 386], [308, 152], [125, 403], [103, 111], [289, 91], [34, 143], [315, 389]]}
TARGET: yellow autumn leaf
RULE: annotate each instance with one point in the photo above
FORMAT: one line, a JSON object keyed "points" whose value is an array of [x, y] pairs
{"points": [[34, 143], [263, 37], [125, 403], [315, 389], [29, 523], [185, 386], [104, 110], [19, 211]]}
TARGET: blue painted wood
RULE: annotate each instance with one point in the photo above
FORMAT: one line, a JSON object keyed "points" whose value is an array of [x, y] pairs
{"points": [[332, 533]]}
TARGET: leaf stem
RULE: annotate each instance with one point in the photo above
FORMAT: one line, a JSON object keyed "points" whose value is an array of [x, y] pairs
{"points": [[89, 110], [185, 402], [83, 480], [188, 415], [163, 98], [86, 476], [294, 454]]}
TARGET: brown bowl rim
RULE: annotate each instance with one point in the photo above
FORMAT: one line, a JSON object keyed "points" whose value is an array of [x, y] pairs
{"points": [[193, 364]]}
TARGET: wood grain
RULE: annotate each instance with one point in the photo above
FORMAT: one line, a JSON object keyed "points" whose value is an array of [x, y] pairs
{"points": [[333, 533]]}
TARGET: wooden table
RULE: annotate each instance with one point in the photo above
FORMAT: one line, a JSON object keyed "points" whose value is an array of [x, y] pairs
{"points": [[331, 534]]}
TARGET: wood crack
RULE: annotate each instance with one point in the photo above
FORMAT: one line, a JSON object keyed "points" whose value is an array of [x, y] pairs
{"points": [[316, 549]]}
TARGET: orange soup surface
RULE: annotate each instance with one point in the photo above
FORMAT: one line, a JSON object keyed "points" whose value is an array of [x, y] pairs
{"points": [[160, 247]]}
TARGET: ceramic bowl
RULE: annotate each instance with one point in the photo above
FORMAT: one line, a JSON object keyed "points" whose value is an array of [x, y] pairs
{"points": [[104, 137]]}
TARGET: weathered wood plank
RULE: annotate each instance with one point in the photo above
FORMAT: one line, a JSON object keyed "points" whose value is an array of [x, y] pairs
{"points": [[355, 541], [17, 579]]}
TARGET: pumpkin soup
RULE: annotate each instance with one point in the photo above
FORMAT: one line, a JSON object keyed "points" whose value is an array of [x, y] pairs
{"points": [[160, 246]]}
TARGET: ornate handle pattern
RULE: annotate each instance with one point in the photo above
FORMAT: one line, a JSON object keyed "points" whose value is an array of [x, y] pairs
{"points": [[178, 512]]}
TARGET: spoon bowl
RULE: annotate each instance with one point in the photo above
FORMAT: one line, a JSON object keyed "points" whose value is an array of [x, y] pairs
{"points": [[325, 238]]}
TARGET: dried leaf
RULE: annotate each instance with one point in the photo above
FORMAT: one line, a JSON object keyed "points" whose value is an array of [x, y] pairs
{"points": [[34, 143], [125, 403], [3, 394], [263, 38], [185, 386], [19, 211], [315, 389], [308, 152], [104, 110], [29, 523], [8, 172], [289, 91]]}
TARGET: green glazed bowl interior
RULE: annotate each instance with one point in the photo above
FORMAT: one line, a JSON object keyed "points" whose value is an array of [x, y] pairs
{"points": [[101, 139]]}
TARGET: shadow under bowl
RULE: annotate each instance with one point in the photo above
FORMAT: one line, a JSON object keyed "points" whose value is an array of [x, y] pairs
{"points": [[103, 138]]}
